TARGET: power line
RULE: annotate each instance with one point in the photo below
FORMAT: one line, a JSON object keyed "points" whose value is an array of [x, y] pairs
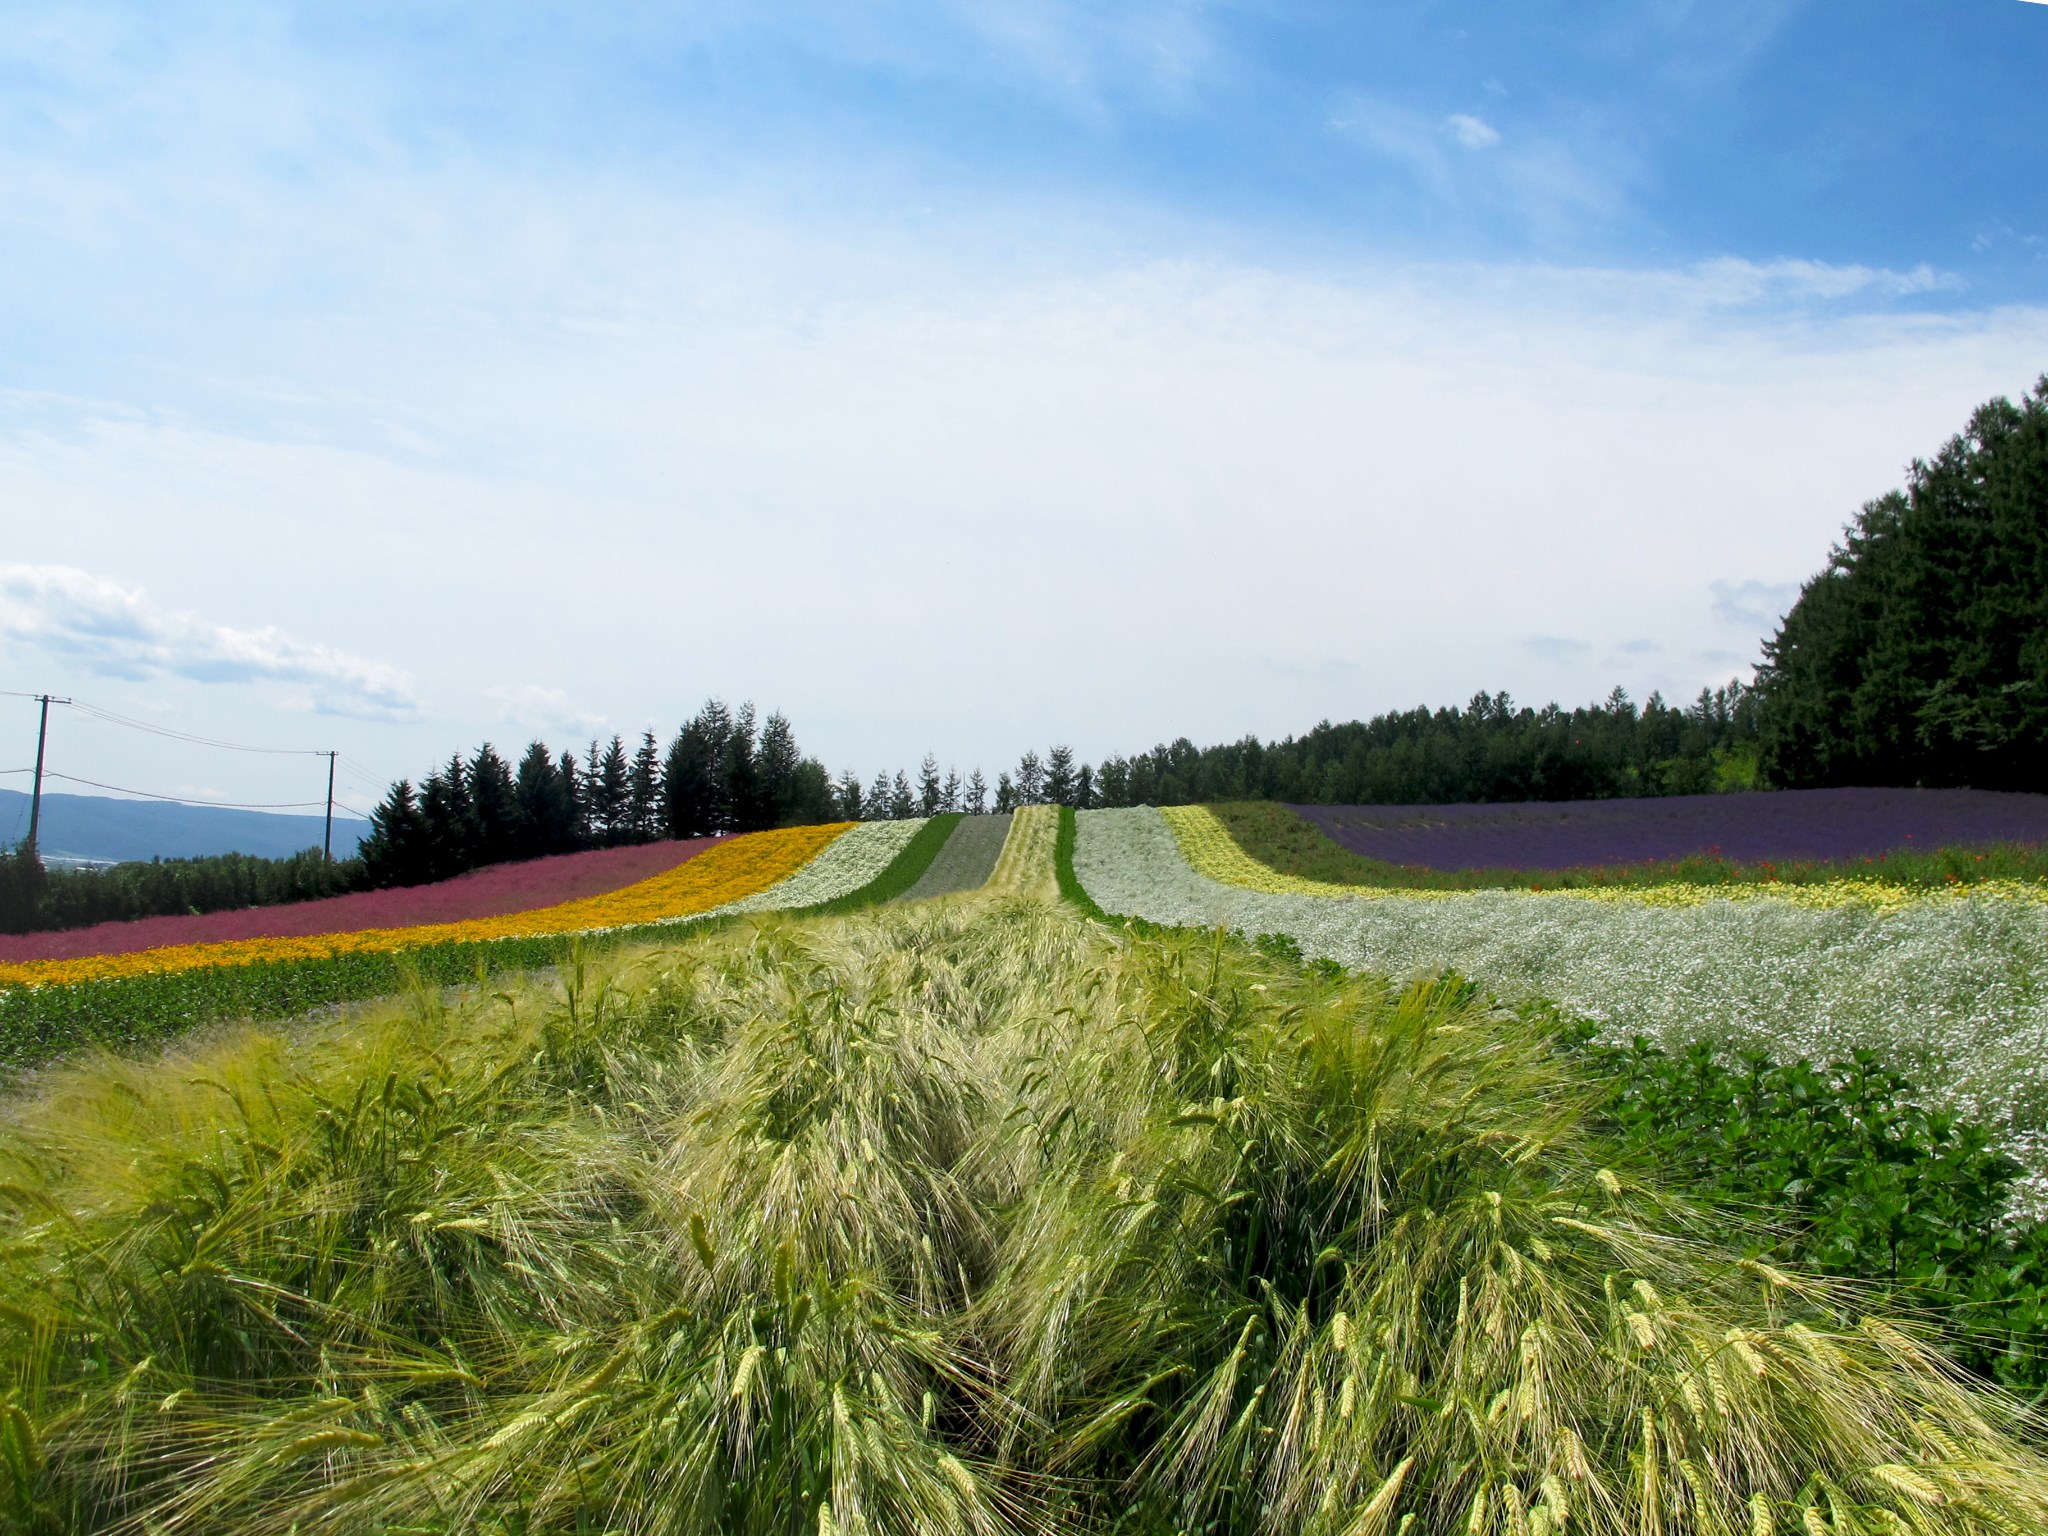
{"points": [[186, 736], [223, 805]]}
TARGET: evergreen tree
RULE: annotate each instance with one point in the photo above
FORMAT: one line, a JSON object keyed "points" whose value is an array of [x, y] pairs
{"points": [[612, 795], [1030, 781], [975, 800], [544, 809], [1006, 794], [776, 760], [1084, 788], [876, 806], [1112, 783], [931, 790], [643, 792], [710, 733], [493, 808], [23, 882], [398, 849], [1060, 783], [852, 805], [576, 795], [902, 803], [742, 781], [451, 829], [811, 800], [689, 777], [949, 793], [1920, 654]]}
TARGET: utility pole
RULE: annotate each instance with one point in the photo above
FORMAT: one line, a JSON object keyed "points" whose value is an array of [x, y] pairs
{"points": [[35, 800], [327, 839]]}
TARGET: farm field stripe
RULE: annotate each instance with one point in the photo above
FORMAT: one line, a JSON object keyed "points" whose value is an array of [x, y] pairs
{"points": [[1209, 848], [966, 861], [846, 865], [493, 891], [1951, 990], [903, 872], [720, 875], [1025, 866]]}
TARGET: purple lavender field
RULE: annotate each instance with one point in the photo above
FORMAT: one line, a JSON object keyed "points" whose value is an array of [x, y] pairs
{"points": [[1775, 825]]}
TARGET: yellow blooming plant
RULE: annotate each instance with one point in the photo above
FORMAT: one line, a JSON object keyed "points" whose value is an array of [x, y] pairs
{"points": [[1207, 845], [723, 873], [1025, 866]]}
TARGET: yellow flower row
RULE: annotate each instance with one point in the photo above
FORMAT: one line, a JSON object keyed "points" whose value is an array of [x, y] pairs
{"points": [[723, 873], [1207, 845], [1025, 866]]}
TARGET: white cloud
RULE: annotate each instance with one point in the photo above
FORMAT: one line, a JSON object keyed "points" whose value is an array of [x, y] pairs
{"points": [[1755, 605], [112, 630], [1471, 132], [535, 708]]}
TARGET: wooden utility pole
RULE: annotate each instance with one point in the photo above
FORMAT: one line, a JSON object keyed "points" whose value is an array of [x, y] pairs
{"points": [[35, 799], [327, 838]]}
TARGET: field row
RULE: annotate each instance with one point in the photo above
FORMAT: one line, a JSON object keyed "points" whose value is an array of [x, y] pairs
{"points": [[1950, 987]]}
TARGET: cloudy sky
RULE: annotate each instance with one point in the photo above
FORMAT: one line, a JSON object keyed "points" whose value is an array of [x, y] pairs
{"points": [[962, 376]]}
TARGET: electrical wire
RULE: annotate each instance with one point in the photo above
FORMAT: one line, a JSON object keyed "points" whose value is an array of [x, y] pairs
{"points": [[224, 805], [199, 741]]}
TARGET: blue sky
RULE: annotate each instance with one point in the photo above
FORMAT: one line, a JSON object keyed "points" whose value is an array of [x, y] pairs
{"points": [[967, 376]]}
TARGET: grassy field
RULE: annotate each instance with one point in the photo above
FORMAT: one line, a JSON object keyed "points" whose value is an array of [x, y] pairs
{"points": [[969, 1216]]}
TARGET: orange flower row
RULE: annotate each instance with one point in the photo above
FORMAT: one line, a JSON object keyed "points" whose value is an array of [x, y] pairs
{"points": [[722, 873]]}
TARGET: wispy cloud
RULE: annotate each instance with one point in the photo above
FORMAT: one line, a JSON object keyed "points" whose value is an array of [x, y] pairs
{"points": [[1555, 647], [1471, 132], [1755, 605], [116, 631], [535, 708]]}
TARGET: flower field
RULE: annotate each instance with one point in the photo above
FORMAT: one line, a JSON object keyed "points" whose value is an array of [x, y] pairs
{"points": [[494, 891], [1950, 987], [1779, 825], [845, 865], [724, 873]]}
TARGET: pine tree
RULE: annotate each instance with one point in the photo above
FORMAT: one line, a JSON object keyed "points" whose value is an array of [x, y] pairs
{"points": [[688, 780], [902, 803], [852, 804], [811, 800], [776, 760], [1030, 781], [576, 792], [613, 796], [23, 882], [397, 849], [713, 725], [643, 792], [1920, 654], [876, 806], [931, 791], [744, 811], [975, 802], [1059, 776], [493, 808], [1006, 794], [1084, 788], [544, 810], [451, 830], [949, 794]]}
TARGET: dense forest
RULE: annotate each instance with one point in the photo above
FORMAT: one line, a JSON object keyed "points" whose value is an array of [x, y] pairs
{"points": [[1920, 654], [1490, 750]]}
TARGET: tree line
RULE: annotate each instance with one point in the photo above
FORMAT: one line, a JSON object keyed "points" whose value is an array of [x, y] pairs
{"points": [[1919, 654], [722, 772]]}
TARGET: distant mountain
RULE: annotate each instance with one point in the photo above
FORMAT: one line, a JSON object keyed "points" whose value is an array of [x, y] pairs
{"points": [[97, 828]]}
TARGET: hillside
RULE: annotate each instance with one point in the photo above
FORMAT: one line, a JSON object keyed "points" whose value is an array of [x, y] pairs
{"points": [[99, 828]]}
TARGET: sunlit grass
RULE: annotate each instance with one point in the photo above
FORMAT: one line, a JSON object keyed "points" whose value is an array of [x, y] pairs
{"points": [[965, 1216]]}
